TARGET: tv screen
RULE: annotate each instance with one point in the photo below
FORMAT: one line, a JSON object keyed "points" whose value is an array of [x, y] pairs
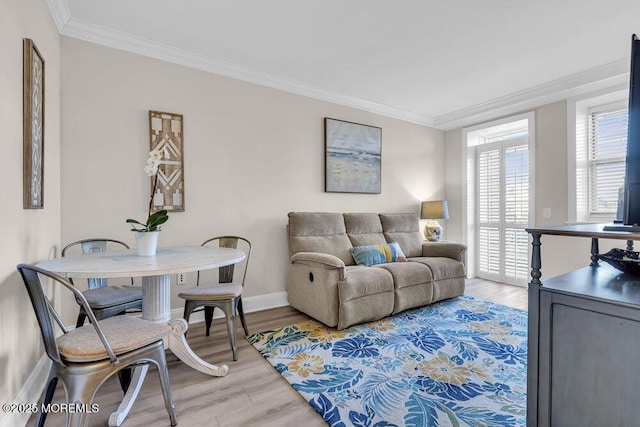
{"points": [[632, 171]]}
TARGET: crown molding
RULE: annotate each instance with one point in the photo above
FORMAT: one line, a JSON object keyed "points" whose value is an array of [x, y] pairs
{"points": [[78, 29], [613, 74], [60, 12]]}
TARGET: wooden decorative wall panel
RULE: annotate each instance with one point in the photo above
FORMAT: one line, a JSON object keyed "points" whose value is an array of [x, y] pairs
{"points": [[33, 127], [166, 131]]}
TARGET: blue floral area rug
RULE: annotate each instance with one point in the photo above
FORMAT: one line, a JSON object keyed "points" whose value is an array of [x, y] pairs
{"points": [[460, 362]]}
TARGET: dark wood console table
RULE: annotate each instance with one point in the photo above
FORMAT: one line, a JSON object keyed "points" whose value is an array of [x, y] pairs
{"points": [[584, 339]]}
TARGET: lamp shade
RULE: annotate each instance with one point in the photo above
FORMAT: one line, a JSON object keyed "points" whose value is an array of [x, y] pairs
{"points": [[437, 209]]}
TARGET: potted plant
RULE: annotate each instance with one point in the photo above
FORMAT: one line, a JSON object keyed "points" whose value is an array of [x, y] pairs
{"points": [[147, 232]]}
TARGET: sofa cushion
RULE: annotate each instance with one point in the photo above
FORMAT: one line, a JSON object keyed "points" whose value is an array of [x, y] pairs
{"points": [[365, 309], [447, 288], [378, 254], [403, 228], [407, 274], [364, 229], [363, 281], [442, 267], [322, 232]]}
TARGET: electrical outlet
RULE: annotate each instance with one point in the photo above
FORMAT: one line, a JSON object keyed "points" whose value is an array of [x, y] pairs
{"points": [[182, 279]]}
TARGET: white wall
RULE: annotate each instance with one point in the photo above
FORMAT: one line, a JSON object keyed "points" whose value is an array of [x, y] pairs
{"points": [[252, 154], [455, 187], [26, 235]]}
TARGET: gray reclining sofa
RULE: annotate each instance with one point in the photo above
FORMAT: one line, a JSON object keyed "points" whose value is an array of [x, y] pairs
{"points": [[324, 281]]}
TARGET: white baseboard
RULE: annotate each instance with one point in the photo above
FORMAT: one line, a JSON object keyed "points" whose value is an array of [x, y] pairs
{"points": [[30, 394], [36, 382]]}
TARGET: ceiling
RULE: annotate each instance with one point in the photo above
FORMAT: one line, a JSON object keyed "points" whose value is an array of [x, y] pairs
{"points": [[438, 63]]}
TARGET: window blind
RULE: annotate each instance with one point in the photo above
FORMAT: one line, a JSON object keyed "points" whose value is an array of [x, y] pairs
{"points": [[607, 147], [489, 206], [503, 211], [516, 212]]}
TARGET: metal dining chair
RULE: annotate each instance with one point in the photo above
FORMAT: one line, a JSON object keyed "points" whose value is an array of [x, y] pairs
{"points": [[225, 293], [84, 358], [105, 301]]}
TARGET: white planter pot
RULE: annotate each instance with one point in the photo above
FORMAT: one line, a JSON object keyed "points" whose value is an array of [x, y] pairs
{"points": [[147, 242]]}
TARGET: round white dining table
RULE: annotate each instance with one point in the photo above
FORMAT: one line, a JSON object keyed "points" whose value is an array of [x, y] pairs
{"points": [[155, 272]]}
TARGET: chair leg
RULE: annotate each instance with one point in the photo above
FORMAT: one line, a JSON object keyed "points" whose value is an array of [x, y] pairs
{"points": [[163, 373], [47, 397], [242, 320], [230, 312], [81, 390], [124, 376], [208, 319], [81, 317]]}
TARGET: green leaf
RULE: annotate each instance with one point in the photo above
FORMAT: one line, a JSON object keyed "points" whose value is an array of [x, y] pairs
{"points": [[155, 220]]}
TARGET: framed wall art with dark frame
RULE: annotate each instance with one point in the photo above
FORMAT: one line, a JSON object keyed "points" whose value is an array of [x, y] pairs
{"points": [[33, 127], [353, 157], [166, 133]]}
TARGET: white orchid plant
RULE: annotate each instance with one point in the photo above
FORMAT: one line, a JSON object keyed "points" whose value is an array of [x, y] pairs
{"points": [[156, 219]]}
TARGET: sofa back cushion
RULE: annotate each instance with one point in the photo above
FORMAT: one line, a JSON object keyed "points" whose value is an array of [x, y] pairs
{"points": [[322, 232], [403, 228], [364, 229]]}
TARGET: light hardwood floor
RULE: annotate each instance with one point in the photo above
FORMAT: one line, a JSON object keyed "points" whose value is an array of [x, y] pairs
{"points": [[252, 393]]}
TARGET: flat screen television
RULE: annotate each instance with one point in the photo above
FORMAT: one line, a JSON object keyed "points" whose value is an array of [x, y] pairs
{"points": [[630, 202]]}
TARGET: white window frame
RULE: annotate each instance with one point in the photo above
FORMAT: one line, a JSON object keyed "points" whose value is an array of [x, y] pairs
{"points": [[578, 110], [472, 136]]}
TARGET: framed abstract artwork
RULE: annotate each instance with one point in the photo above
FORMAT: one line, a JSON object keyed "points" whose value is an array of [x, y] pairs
{"points": [[33, 127], [166, 135], [353, 157]]}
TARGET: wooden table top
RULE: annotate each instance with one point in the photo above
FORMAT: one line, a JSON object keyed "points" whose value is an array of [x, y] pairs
{"points": [[584, 230], [127, 263]]}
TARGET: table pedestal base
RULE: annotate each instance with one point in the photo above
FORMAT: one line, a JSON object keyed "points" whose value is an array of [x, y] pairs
{"points": [[177, 343], [121, 413], [156, 307]]}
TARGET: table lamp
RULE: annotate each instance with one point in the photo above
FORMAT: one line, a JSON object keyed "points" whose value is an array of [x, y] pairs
{"points": [[431, 211]]}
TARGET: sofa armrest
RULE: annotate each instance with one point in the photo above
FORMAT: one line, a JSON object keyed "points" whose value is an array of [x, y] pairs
{"points": [[317, 259], [312, 285], [451, 250]]}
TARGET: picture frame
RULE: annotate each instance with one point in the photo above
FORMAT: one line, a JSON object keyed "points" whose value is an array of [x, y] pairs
{"points": [[353, 157], [33, 126], [166, 134]]}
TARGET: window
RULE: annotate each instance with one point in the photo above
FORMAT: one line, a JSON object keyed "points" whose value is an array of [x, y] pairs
{"points": [[607, 147], [502, 166], [596, 143], [499, 198]]}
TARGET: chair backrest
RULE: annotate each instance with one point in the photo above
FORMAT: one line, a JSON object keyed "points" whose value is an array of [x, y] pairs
{"points": [[89, 246], [44, 310], [234, 273]]}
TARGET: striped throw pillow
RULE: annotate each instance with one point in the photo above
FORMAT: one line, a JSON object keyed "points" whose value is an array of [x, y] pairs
{"points": [[377, 254]]}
